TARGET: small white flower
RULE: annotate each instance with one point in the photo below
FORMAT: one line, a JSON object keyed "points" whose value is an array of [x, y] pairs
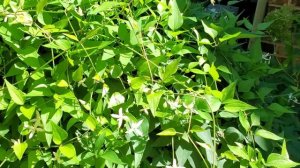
{"points": [[135, 127], [120, 117], [188, 107], [174, 104], [267, 58], [105, 90], [175, 165], [293, 98]]}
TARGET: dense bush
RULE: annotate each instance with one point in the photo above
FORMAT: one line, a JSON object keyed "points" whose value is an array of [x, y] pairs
{"points": [[140, 83]]}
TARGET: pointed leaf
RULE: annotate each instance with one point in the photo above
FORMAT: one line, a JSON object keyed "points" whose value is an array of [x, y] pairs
{"points": [[58, 133], [167, 132], [211, 32], [19, 149], [268, 135], [171, 69], [153, 100], [214, 73], [239, 151], [277, 160], [77, 74], [244, 121], [234, 105], [112, 157], [16, 95], [27, 111], [175, 21], [228, 92]]}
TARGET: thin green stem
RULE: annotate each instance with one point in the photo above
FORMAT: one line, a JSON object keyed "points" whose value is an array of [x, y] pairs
{"points": [[198, 151]]}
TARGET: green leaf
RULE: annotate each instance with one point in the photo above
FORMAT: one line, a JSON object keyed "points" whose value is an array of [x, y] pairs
{"points": [[40, 91], [116, 71], [40, 6], [108, 5], [16, 95], [244, 121], [19, 149], [234, 105], [27, 111], [58, 133], [90, 122], [268, 135], [61, 44], [228, 92], [77, 74], [213, 102], [277, 160], [167, 132], [133, 38], [197, 128], [229, 36], [137, 83], [68, 150], [284, 151], [62, 83], [123, 32], [175, 21], [153, 100], [214, 73], [111, 156], [279, 109], [211, 32], [171, 69], [239, 151], [125, 58]]}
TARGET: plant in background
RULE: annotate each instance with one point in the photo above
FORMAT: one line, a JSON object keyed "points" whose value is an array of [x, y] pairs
{"points": [[283, 19], [136, 84]]}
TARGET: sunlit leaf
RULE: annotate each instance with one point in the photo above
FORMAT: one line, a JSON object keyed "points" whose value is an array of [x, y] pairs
{"points": [[175, 20], [68, 150], [167, 132], [16, 95], [19, 149], [267, 134]]}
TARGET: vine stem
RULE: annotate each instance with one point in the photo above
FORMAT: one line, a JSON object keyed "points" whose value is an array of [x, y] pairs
{"points": [[200, 154]]}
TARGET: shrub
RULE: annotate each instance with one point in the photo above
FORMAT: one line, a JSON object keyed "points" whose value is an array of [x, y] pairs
{"points": [[137, 83]]}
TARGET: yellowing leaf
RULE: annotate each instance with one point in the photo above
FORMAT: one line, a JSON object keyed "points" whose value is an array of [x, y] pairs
{"points": [[16, 95], [27, 111], [62, 83], [19, 149], [68, 150], [168, 132], [214, 73], [97, 77], [70, 36]]}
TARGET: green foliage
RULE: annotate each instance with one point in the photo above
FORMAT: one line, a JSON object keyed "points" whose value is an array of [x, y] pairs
{"points": [[139, 83]]}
